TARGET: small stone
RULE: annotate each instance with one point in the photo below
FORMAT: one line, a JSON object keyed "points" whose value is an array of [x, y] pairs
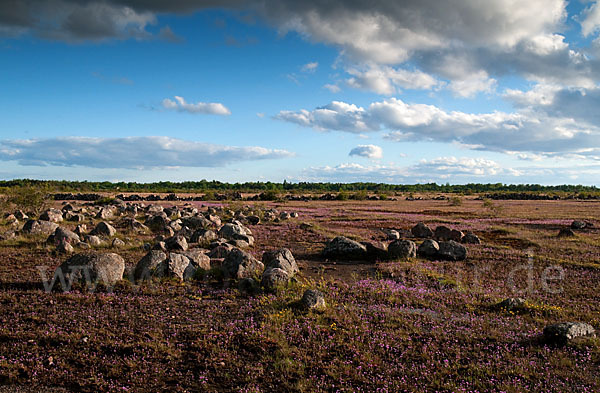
{"points": [[313, 299]]}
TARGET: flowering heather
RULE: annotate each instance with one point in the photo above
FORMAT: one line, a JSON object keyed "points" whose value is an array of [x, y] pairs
{"points": [[389, 326]]}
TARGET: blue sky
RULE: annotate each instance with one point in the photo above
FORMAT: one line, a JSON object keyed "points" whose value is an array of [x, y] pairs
{"points": [[386, 91]]}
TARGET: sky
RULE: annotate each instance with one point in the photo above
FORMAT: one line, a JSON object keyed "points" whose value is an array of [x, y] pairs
{"points": [[396, 91]]}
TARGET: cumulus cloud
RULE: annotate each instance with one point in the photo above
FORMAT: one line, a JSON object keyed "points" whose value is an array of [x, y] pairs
{"points": [[525, 131], [129, 153], [591, 20], [211, 108], [388, 80], [367, 151]]}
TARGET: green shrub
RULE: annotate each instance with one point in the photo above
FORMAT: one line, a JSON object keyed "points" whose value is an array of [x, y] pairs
{"points": [[27, 198]]}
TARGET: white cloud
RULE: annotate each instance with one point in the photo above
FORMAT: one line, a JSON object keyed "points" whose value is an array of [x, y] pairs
{"points": [[212, 108], [310, 67], [591, 21], [368, 151], [442, 169], [332, 88], [531, 131], [334, 116], [388, 80], [469, 86], [129, 153]]}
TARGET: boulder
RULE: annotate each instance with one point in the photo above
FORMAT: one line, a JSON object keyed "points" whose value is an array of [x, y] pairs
{"points": [[392, 234], [443, 233], [562, 333], [198, 257], [566, 232], [93, 240], [452, 251], [578, 224], [253, 220], [402, 249], [63, 235], [313, 299], [421, 231], [343, 248], [280, 259], [236, 231], [118, 243], [273, 278], [65, 247], [221, 251], [105, 213], [203, 235], [92, 268], [471, 238], [216, 220], [176, 243], [240, 264], [39, 227], [103, 229], [197, 222], [428, 249], [52, 215], [176, 265], [145, 267], [74, 217], [377, 251]]}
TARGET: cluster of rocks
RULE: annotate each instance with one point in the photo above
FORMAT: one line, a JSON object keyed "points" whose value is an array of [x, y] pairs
{"points": [[443, 244], [576, 225]]}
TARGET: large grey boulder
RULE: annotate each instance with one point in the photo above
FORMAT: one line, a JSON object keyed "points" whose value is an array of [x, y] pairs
{"points": [[562, 333], [428, 249], [343, 248], [39, 227], [103, 229], [52, 215], [402, 249], [471, 238], [422, 231], [63, 235], [443, 233], [452, 251], [198, 257], [176, 243], [197, 222], [240, 264], [145, 267], [273, 278], [203, 235], [236, 231], [93, 268], [376, 251], [280, 259], [578, 224], [158, 223], [105, 213], [176, 265]]}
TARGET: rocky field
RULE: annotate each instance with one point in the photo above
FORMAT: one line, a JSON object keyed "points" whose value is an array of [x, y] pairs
{"points": [[459, 295]]}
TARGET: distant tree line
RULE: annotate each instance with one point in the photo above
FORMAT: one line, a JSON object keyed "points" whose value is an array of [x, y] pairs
{"points": [[287, 187]]}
